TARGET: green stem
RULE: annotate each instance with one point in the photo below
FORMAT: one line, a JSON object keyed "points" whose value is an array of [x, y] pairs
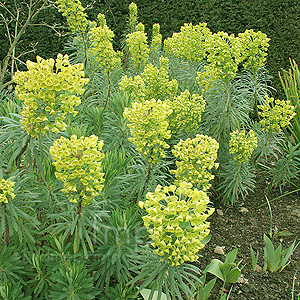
{"points": [[109, 90], [23, 150], [150, 166], [6, 230], [79, 210]]}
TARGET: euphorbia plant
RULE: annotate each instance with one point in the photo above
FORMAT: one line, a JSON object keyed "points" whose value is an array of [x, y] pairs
{"points": [[176, 223]]}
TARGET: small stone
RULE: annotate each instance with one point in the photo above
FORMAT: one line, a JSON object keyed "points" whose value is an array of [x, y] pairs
{"points": [[258, 268], [219, 250], [242, 279], [243, 210], [220, 212]]}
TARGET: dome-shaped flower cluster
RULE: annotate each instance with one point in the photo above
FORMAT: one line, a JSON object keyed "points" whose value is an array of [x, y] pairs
{"points": [[101, 38], [189, 43], [78, 165], [176, 221], [149, 127], [276, 114], [187, 112], [242, 145], [154, 82], [74, 12], [196, 157], [50, 90], [6, 190], [138, 46]]}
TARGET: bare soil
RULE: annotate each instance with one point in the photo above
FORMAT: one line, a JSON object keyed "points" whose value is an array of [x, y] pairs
{"points": [[244, 224]]}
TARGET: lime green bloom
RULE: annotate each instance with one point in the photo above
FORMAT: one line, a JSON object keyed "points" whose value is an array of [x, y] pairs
{"points": [[276, 114], [6, 190], [50, 90], [149, 127], [78, 165], [133, 11], [196, 157], [255, 46], [189, 43], [176, 221], [74, 12], [152, 83], [138, 47], [242, 145], [101, 38], [156, 39], [187, 112], [224, 57], [222, 53]]}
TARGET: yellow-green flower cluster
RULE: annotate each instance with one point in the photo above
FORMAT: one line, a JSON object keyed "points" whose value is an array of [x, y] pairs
{"points": [[134, 86], [133, 11], [152, 83], [149, 127], [6, 190], [255, 47], [176, 221], [101, 38], [49, 93], [195, 158], [276, 114], [223, 53], [138, 47], [156, 39], [242, 145], [189, 43], [78, 165], [224, 56], [74, 12], [187, 112]]}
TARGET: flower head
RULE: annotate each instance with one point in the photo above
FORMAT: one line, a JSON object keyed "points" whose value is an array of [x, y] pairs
{"points": [[74, 12], [242, 145], [149, 127], [276, 114], [78, 165], [6, 190], [196, 157], [50, 90], [176, 221]]}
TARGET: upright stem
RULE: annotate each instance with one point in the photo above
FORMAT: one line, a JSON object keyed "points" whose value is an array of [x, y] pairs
{"points": [[6, 230], [79, 210], [109, 90], [23, 149], [148, 176]]}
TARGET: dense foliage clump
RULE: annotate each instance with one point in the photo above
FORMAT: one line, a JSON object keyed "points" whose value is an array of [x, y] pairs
{"points": [[112, 199]]}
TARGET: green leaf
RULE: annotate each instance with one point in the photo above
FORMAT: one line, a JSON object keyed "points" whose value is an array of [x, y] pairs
{"points": [[146, 295], [231, 256], [214, 268]]}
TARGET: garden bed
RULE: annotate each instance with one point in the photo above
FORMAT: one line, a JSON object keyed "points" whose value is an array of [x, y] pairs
{"points": [[245, 224]]}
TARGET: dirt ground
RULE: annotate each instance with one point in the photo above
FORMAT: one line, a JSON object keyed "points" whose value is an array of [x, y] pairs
{"points": [[245, 224]]}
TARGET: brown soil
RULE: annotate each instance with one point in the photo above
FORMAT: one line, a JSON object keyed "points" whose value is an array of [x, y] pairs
{"points": [[237, 229]]}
